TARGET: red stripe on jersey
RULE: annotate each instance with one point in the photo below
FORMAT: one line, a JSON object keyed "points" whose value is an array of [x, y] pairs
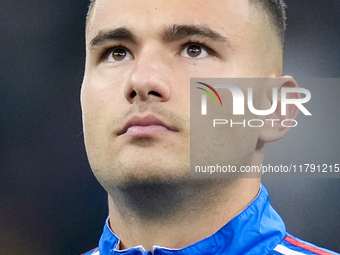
{"points": [[305, 246]]}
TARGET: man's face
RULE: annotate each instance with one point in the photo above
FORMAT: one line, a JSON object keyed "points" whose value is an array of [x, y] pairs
{"points": [[135, 97]]}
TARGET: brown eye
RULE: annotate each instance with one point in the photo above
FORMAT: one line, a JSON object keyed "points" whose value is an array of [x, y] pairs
{"points": [[195, 51], [119, 54]]}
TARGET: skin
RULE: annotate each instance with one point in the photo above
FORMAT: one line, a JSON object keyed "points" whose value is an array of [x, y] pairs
{"points": [[152, 200]]}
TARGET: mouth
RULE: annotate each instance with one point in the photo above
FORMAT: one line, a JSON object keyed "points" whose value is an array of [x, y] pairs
{"points": [[145, 127]]}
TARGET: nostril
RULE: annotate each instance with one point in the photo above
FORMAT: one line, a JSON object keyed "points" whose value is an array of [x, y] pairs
{"points": [[154, 93], [133, 94]]}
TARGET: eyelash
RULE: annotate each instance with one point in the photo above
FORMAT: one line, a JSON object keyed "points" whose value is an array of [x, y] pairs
{"points": [[108, 50], [210, 51], [201, 44]]}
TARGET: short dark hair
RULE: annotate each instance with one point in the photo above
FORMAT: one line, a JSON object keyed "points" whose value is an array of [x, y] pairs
{"points": [[89, 11], [276, 10]]}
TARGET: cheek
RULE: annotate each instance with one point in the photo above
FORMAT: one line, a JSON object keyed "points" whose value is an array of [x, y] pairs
{"points": [[100, 94], [98, 103], [92, 107]]}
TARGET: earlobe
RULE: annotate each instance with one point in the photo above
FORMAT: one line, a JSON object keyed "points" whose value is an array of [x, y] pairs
{"points": [[277, 125]]}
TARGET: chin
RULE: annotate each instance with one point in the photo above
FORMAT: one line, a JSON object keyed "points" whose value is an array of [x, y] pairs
{"points": [[158, 173], [134, 172]]}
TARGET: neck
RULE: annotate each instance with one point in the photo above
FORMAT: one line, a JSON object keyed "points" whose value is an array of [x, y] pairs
{"points": [[175, 214]]}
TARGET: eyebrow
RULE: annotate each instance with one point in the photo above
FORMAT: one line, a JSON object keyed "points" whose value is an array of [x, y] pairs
{"points": [[118, 34], [169, 34], [178, 32]]}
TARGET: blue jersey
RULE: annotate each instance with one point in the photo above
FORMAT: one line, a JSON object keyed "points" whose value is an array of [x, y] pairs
{"points": [[258, 229]]}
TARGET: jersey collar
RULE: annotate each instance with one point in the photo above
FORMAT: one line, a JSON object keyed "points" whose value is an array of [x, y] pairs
{"points": [[256, 230]]}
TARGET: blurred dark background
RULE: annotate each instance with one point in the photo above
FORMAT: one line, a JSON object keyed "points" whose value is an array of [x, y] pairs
{"points": [[50, 203]]}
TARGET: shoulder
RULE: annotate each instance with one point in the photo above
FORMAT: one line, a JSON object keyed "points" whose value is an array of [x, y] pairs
{"points": [[92, 252], [292, 245]]}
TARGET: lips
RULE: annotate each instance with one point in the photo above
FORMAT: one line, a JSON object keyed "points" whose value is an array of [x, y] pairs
{"points": [[146, 124]]}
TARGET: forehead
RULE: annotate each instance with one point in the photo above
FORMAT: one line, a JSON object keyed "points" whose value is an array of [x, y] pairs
{"points": [[147, 17]]}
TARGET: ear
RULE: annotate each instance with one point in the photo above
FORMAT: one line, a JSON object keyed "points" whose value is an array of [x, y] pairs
{"points": [[273, 129]]}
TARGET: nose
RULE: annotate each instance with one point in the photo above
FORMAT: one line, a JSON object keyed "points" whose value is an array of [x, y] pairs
{"points": [[149, 78]]}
